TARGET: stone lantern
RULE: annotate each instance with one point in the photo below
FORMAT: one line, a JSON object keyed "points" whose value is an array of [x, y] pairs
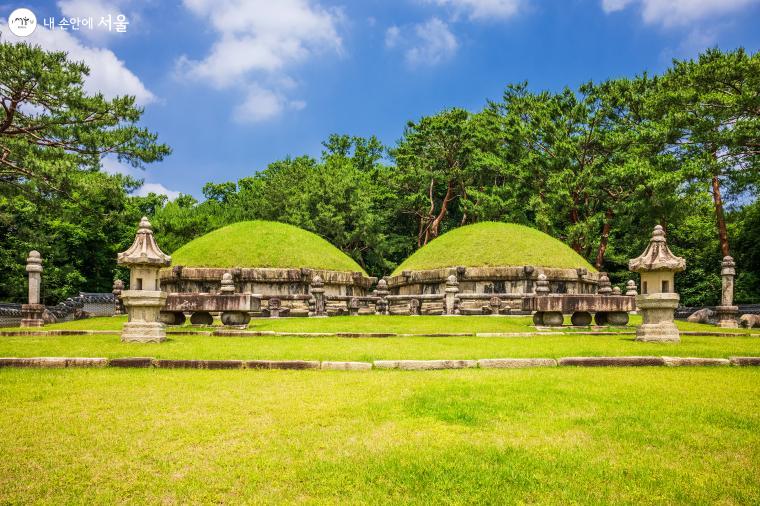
{"points": [[32, 312], [658, 300], [144, 299], [726, 312]]}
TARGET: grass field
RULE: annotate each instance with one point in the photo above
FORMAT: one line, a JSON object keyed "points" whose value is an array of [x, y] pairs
{"points": [[369, 349], [263, 244], [386, 324], [493, 244], [623, 436]]}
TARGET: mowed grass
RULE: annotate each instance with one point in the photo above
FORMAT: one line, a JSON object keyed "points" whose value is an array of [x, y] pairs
{"points": [[494, 244], [384, 324], [369, 349], [263, 244], [558, 436]]}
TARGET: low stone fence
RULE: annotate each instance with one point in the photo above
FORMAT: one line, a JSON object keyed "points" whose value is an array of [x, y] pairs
{"points": [[403, 365], [74, 308], [683, 312], [10, 314], [411, 305]]}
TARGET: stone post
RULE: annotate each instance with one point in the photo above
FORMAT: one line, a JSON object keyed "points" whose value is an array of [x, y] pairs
{"points": [[726, 313], [605, 287], [452, 289], [542, 285], [630, 288], [381, 307], [144, 299], [658, 299], [118, 287], [32, 312], [227, 285], [317, 290]]}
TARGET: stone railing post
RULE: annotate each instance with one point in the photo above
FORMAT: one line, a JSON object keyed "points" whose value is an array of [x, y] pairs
{"points": [[381, 306], [118, 287], [452, 289], [726, 312], [32, 312], [605, 287], [630, 288], [317, 290]]}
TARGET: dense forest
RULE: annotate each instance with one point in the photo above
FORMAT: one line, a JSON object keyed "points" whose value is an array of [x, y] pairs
{"points": [[596, 166]]}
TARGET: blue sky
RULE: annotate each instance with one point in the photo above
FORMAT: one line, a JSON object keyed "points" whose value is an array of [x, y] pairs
{"points": [[233, 85]]}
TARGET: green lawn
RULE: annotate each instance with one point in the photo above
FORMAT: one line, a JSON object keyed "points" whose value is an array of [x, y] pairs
{"points": [[635, 436], [369, 349], [493, 244], [384, 324]]}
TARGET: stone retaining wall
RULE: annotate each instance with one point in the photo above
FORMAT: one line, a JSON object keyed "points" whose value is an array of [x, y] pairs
{"points": [[404, 365]]}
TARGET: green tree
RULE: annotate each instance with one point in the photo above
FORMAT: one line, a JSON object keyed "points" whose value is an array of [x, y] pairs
{"points": [[53, 197], [713, 103]]}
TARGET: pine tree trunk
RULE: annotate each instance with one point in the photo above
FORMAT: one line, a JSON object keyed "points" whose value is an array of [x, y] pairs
{"points": [[604, 240], [719, 217]]}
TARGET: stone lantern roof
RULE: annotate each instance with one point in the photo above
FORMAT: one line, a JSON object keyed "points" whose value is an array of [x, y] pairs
{"points": [[657, 256], [144, 251]]}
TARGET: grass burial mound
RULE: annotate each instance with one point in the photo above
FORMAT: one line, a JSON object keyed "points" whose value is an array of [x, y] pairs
{"points": [[263, 244], [492, 244]]}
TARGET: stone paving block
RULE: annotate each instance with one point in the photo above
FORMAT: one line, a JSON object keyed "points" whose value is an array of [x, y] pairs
{"points": [[424, 365], [131, 362], [281, 364], [515, 363], [695, 361], [199, 364], [742, 361], [611, 361], [347, 366], [86, 362], [385, 364]]}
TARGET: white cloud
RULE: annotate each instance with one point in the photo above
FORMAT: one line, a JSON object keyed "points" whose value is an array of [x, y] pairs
{"points": [[392, 36], [94, 9], [112, 166], [156, 188], [670, 13], [482, 10], [108, 74], [433, 43], [259, 41]]}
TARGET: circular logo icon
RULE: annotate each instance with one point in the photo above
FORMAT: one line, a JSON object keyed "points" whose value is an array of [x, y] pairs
{"points": [[22, 22]]}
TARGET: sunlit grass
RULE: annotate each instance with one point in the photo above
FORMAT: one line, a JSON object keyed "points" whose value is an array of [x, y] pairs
{"points": [[559, 436]]}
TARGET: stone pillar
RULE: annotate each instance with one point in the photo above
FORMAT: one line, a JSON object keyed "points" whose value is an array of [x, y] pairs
{"points": [[658, 299], [118, 287], [144, 299], [726, 313], [32, 312], [452, 289], [381, 307], [630, 288], [317, 290]]}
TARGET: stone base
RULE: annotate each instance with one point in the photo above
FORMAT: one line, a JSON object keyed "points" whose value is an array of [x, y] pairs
{"points": [[143, 332], [657, 311], [658, 332], [726, 316], [32, 315]]}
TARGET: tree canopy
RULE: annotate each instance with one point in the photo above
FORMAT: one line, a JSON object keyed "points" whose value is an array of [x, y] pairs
{"points": [[595, 167]]}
